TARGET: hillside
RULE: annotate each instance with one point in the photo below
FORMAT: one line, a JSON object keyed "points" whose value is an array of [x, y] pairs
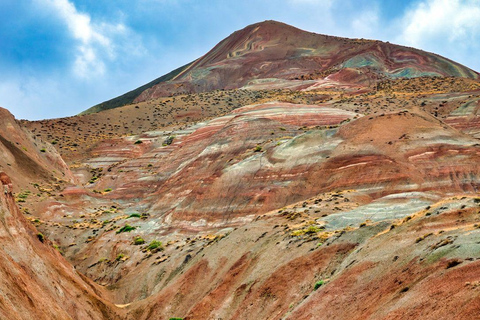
{"points": [[283, 175], [35, 280], [281, 56]]}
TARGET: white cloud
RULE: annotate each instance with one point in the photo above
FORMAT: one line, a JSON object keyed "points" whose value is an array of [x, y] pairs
{"points": [[458, 20], [94, 40], [449, 27]]}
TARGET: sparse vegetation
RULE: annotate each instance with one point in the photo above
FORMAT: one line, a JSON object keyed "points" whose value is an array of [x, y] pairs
{"points": [[453, 263], [154, 246], [22, 196], [126, 228], [168, 141], [188, 190], [318, 284], [138, 241], [310, 230], [41, 237]]}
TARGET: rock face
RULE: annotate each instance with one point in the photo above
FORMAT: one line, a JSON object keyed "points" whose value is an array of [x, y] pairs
{"points": [[277, 55], [36, 282]]}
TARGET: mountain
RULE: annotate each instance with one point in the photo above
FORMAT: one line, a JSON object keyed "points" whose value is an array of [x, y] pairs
{"points": [[269, 189], [277, 55]]}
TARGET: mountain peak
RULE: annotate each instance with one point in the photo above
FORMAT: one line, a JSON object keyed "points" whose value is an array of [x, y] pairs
{"points": [[282, 53], [271, 25]]}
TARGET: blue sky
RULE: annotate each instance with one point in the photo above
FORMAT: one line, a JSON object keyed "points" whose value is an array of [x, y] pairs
{"points": [[60, 57]]}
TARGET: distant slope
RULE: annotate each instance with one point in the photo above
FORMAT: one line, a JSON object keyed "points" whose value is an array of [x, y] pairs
{"points": [[271, 54], [130, 96]]}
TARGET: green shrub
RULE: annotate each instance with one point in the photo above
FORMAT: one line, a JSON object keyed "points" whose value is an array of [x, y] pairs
{"points": [[257, 149], [138, 241], [24, 194], [134, 215], [155, 246], [41, 237], [312, 229], [107, 190], [318, 284], [126, 228], [43, 150], [120, 257], [168, 141]]}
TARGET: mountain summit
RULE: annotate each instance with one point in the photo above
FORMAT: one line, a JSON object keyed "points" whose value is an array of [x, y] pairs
{"points": [[272, 54]]}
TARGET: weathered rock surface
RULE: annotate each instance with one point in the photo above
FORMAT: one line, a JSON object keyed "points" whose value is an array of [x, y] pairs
{"points": [[28, 159], [271, 54], [36, 282], [340, 182], [228, 172]]}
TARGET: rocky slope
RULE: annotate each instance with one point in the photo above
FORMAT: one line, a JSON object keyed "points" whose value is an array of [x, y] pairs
{"points": [[206, 189], [271, 54], [26, 157], [348, 191], [35, 280]]}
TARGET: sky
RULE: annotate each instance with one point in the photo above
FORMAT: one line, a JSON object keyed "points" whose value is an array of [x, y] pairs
{"points": [[60, 57]]}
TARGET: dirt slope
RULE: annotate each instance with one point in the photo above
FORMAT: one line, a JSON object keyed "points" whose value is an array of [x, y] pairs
{"points": [[36, 282], [335, 179]]}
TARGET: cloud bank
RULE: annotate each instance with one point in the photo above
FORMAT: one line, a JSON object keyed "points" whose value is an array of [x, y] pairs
{"points": [[447, 27]]}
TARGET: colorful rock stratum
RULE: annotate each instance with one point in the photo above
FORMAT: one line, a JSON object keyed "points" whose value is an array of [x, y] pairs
{"points": [[283, 175]]}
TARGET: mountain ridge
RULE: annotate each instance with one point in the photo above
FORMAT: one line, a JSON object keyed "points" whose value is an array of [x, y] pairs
{"points": [[314, 56]]}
